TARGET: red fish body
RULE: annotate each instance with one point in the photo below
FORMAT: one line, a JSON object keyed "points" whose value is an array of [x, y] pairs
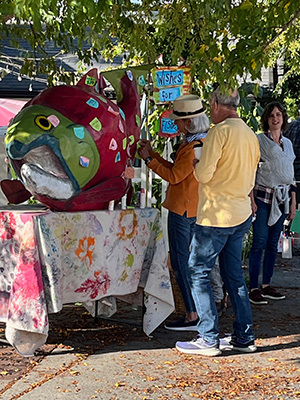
{"points": [[70, 145]]}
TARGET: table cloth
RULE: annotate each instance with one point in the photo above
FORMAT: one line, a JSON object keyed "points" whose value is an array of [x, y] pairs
{"points": [[48, 259]]}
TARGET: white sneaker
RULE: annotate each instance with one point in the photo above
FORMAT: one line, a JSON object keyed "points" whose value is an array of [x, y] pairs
{"points": [[199, 346], [224, 343]]}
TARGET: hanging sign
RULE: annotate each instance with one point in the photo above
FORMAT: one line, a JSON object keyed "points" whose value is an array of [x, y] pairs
{"points": [[170, 82], [167, 126]]}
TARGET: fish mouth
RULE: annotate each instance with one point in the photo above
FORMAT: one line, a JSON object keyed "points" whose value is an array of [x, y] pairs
{"points": [[42, 173]]}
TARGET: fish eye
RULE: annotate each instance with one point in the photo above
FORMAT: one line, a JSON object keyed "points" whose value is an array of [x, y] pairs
{"points": [[43, 122]]}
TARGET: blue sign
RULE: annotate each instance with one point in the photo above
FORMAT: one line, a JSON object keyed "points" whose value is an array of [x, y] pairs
{"points": [[169, 94], [169, 78], [168, 126]]}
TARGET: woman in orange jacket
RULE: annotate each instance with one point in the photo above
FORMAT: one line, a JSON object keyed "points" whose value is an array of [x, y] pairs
{"points": [[182, 195]]}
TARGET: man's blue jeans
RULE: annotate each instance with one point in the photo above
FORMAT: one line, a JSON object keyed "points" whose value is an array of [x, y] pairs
{"points": [[180, 231], [265, 239], [207, 244]]}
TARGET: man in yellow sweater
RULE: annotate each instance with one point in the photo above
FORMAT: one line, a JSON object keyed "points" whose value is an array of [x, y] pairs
{"points": [[226, 173]]}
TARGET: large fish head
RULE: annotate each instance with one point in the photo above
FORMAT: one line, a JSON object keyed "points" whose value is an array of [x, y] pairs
{"points": [[51, 155]]}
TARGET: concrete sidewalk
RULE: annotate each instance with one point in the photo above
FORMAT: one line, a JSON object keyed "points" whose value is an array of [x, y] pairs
{"points": [[151, 369]]}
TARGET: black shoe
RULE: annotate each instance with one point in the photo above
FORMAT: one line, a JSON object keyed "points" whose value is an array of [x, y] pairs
{"points": [[242, 345], [271, 293], [182, 325], [255, 297]]}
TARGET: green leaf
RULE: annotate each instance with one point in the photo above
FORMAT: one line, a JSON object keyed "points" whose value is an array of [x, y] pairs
{"points": [[246, 103], [254, 123]]}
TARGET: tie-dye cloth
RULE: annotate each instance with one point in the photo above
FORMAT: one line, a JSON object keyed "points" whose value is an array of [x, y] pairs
{"points": [[22, 300], [82, 257]]}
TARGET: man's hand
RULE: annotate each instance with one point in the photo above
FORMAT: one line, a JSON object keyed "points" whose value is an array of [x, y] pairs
{"points": [[253, 204], [253, 208]]}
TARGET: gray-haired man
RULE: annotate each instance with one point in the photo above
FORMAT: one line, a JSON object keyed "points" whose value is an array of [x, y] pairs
{"points": [[226, 175]]}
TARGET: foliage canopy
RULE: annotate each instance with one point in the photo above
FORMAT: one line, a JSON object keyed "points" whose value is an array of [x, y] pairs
{"points": [[220, 39]]}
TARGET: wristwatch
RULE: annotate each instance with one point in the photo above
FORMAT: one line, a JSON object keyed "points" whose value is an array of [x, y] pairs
{"points": [[147, 160]]}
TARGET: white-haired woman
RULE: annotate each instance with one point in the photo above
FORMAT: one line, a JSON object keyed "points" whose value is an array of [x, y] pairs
{"points": [[182, 195]]}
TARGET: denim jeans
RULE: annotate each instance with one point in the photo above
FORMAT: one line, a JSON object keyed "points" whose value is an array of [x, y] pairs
{"points": [[216, 283], [265, 239], [207, 244], [180, 231]]}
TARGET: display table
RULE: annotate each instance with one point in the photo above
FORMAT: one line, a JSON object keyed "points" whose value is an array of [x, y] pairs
{"points": [[48, 259]]}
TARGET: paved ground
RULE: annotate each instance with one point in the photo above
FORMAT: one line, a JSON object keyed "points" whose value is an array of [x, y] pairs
{"points": [[111, 360]]}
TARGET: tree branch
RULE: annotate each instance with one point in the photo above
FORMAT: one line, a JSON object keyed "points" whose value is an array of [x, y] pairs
{"points": [[284, 28], [36, 44]]}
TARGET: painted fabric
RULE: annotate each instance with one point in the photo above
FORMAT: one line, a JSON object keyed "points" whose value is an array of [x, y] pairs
{"points": [[22, 300], [81, 257]]}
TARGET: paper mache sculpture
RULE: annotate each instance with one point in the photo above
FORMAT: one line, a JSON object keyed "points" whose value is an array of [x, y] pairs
{"points": [[70, 146]]}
